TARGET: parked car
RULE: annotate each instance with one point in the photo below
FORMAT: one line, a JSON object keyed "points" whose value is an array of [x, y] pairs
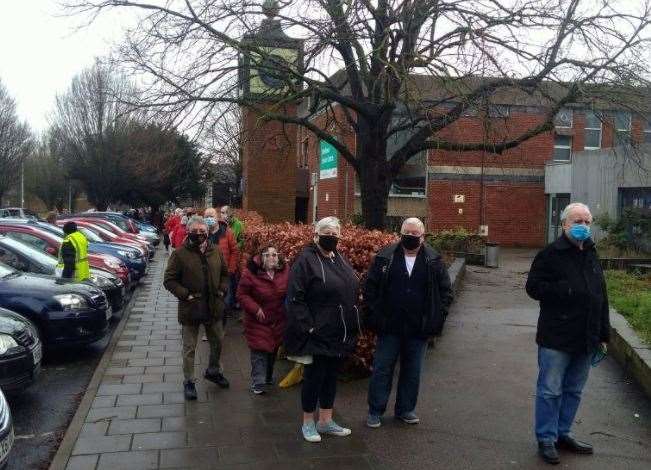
{"points": [[20, 352], [25, 258], [6, 431], [127, 224], [50, 243], [111, 227], [65, 313], [19, 213], [132, 256]]}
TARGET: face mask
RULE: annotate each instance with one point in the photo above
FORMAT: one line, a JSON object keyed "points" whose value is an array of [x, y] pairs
{"points": [[210, 221], [580, 232], [328, 242], [411, 242], [197, 238]]}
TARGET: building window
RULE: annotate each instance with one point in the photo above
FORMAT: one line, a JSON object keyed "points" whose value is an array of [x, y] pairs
{"points": [[647, 130], [592, 130], [498, 111], [622, 128], [304, 150], [562, 148], [564, 119]]}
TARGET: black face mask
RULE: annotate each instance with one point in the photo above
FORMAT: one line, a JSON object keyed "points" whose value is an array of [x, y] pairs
{"points": [[411, 242], [197, 238], [328, 242]]}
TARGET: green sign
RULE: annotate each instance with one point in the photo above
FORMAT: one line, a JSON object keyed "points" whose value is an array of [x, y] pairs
{"points": [[329, 160]]}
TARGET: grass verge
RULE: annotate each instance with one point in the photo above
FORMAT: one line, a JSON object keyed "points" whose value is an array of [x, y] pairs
{"points": [[631, 297]]}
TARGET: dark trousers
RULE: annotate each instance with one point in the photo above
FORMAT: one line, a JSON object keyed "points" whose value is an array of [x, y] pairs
{"points": [[262, 366], [411, 352], [320, 383]]}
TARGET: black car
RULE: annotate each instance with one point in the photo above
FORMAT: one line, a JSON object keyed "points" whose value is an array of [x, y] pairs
{"points": [[65, 313], [25, 258], [6, 431], [20, 352]]}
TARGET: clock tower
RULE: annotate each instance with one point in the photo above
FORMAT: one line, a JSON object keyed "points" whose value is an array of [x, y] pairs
{"points": [[267, 80]]}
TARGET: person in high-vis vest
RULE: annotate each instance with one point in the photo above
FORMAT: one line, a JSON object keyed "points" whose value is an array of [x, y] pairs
{"points": [[73, 255]]}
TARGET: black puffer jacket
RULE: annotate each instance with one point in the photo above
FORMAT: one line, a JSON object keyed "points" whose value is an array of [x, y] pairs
{"points": [[322, 316], [438, 297], [570, 286]]}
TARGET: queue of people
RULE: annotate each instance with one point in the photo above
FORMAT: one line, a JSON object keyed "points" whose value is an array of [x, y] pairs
{"points": [[313, 310]]}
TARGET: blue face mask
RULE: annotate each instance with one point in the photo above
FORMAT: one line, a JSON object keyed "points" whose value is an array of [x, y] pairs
{"points": [[580, 232], [210, 221]]}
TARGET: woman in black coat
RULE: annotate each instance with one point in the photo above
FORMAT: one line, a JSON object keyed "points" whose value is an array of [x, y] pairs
{"points": [[322, 324]]}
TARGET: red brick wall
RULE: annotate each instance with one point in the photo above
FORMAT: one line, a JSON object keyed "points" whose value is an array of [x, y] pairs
{"points": [[270, 166]]}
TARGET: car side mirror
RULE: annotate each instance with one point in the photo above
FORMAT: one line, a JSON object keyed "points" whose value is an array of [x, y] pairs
{"points": [[51, 250]]}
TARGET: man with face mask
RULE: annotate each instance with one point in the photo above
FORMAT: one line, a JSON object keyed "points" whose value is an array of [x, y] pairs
{"points": [[407, 294], [198, 277], [573, 329]]}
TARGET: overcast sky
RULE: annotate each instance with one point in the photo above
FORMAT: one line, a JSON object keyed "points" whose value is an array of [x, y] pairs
{"points": [[41, 50]]}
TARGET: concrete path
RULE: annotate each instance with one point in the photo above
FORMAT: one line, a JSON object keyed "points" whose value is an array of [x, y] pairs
{"points": [[476, 400]]}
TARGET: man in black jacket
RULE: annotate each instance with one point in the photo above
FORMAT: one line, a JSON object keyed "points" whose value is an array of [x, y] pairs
{"points": [[407, 294], [573, 328]]}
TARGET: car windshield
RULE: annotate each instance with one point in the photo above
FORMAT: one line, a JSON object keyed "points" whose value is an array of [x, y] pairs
{"points": [[103, 232], [52, 229], [90, 235], [120, 223], [30, 252], [5, 270]]}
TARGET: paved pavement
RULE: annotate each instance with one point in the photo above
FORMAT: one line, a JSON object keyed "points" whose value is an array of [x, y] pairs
{"points": [[475, 404]]}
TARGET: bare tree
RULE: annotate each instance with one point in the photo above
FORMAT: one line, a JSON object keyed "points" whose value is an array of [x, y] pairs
{"points": [[224, 138], [15, 142], [45, 174], [404, 66], [88, 124]]}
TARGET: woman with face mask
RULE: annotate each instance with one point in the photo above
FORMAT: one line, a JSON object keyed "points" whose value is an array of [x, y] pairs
{"points": [[261, 293], [322, 324]]}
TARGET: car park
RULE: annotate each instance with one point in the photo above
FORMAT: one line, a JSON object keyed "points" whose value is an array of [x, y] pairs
{"points": [[128, 224], [111, 227], [18, 212], [20, 352], [65, 313], [6, 431], [25, 258], [51, 243]]}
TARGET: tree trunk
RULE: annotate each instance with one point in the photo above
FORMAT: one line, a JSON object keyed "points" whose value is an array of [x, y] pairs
{"points": [[374, 177]]}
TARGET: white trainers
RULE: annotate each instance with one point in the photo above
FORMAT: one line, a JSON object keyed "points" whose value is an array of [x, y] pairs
{"points": [[333, 429], [309, 432]]}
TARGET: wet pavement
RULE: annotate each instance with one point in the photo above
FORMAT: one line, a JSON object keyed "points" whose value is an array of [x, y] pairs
{"points": [[476, 400]]}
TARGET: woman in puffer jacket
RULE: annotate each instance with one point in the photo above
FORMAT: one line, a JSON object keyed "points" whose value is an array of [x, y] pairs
{"points": [[261, 293], [322, 324]]}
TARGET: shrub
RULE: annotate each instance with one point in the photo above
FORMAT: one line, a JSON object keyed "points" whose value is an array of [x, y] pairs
{"points": [[458, 240]]}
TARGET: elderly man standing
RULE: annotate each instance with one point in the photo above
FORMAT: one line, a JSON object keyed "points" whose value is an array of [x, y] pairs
{"points": [[198, 277], [407, 294], [573, 328]]}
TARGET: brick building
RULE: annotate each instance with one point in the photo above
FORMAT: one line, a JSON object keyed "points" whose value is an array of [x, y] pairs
{"points": [[502, 196]]}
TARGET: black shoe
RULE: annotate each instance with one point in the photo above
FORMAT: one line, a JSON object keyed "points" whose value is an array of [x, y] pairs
{"points": [[217, 378], [548, 452], [189, 390], [257, 389], [571, 444]]}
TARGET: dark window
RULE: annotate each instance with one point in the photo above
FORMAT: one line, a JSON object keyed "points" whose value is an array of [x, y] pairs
{"points": [[9, 258], [622, 128], [562, 148]]}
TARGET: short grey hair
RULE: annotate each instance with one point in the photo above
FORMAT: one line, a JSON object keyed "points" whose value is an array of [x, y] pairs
{"points": [[413, 221], [327, 223], [195, 220], [570, 207]]}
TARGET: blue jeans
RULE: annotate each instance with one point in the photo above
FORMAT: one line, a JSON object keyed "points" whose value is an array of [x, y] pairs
{"points": [[561, 378], [411, 352]]}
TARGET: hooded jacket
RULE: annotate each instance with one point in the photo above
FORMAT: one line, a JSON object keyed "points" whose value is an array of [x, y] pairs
{"points": [[438, 295], [322, 315], [256, 290], [570, 286]]}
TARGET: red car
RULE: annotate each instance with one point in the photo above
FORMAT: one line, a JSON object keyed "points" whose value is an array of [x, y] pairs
{"points": [[111, 227], [51, 243], [107, 235]]}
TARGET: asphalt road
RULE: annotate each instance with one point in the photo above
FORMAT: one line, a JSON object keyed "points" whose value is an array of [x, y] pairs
{"points": [[42, 412]]}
